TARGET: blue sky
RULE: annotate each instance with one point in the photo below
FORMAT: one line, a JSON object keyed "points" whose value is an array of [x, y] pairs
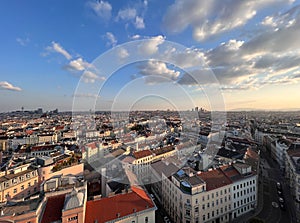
{"points": [[251, 47]]}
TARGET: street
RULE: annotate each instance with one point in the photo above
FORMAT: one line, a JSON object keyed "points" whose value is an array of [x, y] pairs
{"points": [[270, 175]]}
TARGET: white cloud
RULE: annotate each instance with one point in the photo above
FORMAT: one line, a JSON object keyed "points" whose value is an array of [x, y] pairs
{"points": [[151, 46], [269, 21], [188, 58], [111, 39], [56, 47], [157, 72], [122, 53], [139, 23], [126, 14], [78, 65], [134, 37], [23, 41], [211, 18], [101, 8], [131, 15], [89, 71], [271, 57], [4, 85], [90, 77]]}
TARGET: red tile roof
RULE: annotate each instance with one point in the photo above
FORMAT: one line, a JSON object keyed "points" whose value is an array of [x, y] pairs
{"points": [[142, 153], [92, 145], [231, 173], [53, 209], [122, 204], [215, 179], [43, 147]]}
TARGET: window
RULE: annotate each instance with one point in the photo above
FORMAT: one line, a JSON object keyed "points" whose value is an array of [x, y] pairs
{"points": [[73, 218], [196, 209], [203, 207], [203, 217], [146, 220], [22, 187], [188, 212], [217, 194], [196, 201], [15, 190]]}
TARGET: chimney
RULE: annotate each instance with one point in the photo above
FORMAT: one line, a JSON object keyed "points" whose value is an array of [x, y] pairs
{"points": [[103, 182]]}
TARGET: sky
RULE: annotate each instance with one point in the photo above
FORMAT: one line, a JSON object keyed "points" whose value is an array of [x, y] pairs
{"points": [[149, 54]]}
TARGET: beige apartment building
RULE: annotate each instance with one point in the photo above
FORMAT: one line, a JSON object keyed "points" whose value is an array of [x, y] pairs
{"points": [[214, 196], [18, 183]]}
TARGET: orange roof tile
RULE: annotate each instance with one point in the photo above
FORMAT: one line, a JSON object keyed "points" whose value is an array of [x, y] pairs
{"points": [[214, 179], [109, 208], [142, 153]]}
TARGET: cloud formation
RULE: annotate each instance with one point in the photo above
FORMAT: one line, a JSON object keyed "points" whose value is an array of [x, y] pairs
{"points": [[112, 41], [151, 46], [139, 23], [101, 8], [157, 72], [56, 47], [271, 57], [212, 18], [4, 85]]}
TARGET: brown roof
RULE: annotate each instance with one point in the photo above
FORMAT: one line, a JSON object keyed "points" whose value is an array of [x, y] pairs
{"points": [[118, 206], [215, 179], [142, 154], [231, 173], [53, 209], [163, 150]]}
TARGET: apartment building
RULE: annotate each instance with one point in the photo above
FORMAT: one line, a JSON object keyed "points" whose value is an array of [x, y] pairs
{"points": [[217, 195], [292, 169], [18, 183], [243, 188]]}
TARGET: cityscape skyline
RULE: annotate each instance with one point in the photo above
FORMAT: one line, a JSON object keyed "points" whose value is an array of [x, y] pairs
{"points": [[252, 50]]}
